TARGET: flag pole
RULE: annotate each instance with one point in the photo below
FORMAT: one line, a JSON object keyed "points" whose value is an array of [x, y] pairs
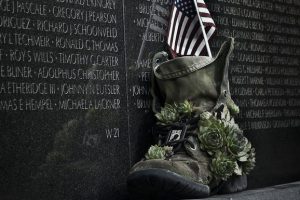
{"points": [[146, 32], [203, 30]]}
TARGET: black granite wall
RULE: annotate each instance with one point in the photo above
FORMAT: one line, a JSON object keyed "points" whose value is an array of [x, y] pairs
{"points": [[75, 102]]}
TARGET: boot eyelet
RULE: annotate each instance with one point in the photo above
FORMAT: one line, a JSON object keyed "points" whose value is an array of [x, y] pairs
{"points": [[193, 147], [225, 93]]}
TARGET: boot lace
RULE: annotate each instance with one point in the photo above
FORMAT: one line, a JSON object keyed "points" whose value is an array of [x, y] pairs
{"points": [[177, 133]]}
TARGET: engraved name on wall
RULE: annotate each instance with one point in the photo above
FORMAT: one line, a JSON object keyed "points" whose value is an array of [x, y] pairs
{"points": [[265, 72], [48, 50]]}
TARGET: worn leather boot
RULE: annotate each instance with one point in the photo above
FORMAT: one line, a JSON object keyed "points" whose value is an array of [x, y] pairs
{"points": [[185, 172]]}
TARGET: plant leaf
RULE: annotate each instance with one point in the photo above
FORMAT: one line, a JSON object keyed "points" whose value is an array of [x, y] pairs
{"points": [[238, 170]]}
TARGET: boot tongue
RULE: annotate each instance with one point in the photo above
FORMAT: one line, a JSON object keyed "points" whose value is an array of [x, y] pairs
{"points": [[222, 60]]}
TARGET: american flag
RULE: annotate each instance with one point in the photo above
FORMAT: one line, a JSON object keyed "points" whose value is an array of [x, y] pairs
{"points": [[185, 34]]}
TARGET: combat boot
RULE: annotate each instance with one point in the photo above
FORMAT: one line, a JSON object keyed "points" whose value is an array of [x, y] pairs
{"points": [[177, 167]]}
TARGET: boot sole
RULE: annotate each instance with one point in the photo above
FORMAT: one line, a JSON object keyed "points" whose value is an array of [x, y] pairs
{"points": [[163, 184]]}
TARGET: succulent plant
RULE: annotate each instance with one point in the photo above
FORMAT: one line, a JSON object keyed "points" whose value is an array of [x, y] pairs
{"points": [[212, 133], [234, 109], [220, 137], [158, 152], [211, 139], [172, 113], [237, 144], [219, 133], [249, 164], [222, 166], [205, 115], [167, 115], [185, 108]]}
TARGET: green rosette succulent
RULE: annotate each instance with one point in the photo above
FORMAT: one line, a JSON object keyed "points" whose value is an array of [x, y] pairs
{"points": [[158, 152], [172, 113], [237, 144], [219, 133], [222, 166], [211, 134], [211, 139], [240, 148], [234, 109], [205, 116], [167, 115], [185, 108], [249, 164]]}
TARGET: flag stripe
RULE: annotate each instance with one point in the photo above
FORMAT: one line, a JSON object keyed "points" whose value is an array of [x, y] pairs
{"points": [[184, 24], [199, 44], [171, 26], [203, 10], [184, 35], [194, 41], [184, 46], [207, 20], [192, 35], [202, 45], [179, 31], [179, 14], [201, 5]]}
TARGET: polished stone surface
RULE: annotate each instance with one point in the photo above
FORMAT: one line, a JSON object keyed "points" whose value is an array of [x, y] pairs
{"points": [[290, 191]]}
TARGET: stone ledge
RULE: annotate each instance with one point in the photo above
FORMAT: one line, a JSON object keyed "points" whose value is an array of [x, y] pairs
{"points": [[290, 191]]}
